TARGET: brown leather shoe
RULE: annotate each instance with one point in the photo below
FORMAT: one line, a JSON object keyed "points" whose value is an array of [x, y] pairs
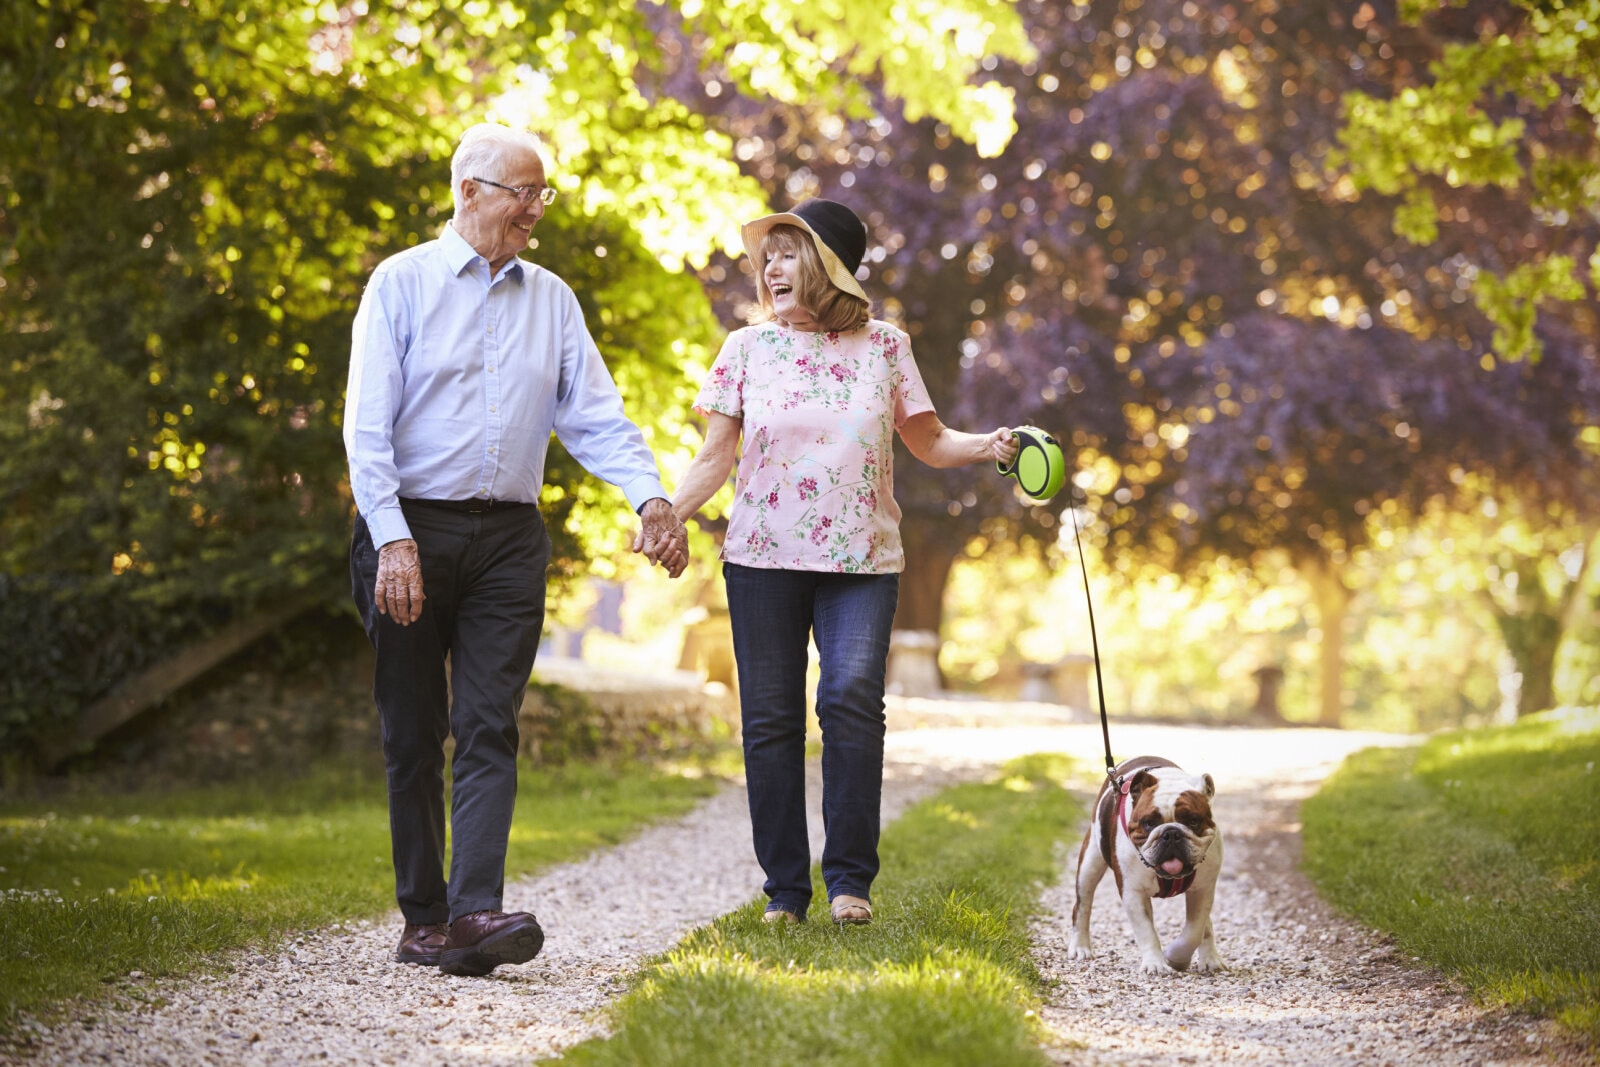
{"points": [[421, 943], [482, 941]]}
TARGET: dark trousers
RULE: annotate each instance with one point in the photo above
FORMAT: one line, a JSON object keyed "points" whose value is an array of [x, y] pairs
{"points": [[774, 614], [484, 578]]}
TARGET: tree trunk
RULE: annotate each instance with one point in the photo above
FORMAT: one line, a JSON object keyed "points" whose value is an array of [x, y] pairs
{"points": [[930, 551], [1333, 606], [931, 547], [1532, 633], [1537, 663], [1534, 629]]}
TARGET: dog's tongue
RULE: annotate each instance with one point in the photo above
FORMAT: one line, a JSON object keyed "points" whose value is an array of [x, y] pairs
{"points": [[1173, 866]]}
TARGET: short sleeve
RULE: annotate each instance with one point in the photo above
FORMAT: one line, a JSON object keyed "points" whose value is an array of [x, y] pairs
{"points": [[723, 389], [910, 394]]}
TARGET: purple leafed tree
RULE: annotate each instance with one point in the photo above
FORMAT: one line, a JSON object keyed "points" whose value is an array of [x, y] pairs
{"points": [[1163, 269]]}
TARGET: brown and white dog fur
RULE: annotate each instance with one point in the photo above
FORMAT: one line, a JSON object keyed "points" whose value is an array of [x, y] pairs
{"points": [[1164, 834]]}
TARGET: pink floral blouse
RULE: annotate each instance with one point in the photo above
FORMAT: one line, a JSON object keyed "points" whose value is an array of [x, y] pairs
{"points": [[815, 486]]}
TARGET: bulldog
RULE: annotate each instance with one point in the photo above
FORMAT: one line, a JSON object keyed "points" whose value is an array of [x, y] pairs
{"points": [[1152, 828]]}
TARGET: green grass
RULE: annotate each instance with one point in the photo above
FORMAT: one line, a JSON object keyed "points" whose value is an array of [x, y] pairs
{"points": [[1480, 853], [941, 977], [95, 887]]}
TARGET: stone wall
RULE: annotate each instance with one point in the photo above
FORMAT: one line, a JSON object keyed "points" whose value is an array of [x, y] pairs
{"points": [[575, 709]]}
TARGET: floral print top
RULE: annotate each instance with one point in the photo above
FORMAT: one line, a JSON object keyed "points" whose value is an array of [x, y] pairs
{"points": [[815, 485]]}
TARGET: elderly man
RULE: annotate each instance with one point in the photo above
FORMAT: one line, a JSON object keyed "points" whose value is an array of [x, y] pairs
{"points": [[464, 360]]}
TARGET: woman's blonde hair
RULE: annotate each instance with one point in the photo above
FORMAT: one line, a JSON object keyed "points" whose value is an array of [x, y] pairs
{"points": [[834, 309]]}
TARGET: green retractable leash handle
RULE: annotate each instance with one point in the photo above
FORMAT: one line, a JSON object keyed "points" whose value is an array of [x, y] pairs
{"points": [[1039, 467]]}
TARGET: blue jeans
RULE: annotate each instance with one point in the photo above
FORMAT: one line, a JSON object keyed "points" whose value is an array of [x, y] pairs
{"points": [[774, 614]]}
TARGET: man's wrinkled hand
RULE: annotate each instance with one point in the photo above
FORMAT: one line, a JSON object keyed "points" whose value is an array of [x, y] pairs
{"points": [[663, 539], [398, 593]]}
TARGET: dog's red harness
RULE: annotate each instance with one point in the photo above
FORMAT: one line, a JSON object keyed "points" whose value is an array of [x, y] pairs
{"points": [[1165, 886]]}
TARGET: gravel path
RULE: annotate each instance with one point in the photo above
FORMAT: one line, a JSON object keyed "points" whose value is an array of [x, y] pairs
{"points": [[336, 997], [1304, 985]]}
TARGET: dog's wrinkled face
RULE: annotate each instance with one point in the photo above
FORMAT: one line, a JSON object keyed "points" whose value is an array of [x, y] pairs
{"points": [[1169, 819]]}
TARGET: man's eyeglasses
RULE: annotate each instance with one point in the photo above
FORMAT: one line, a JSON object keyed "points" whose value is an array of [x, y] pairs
{"points": [[524, 193]]}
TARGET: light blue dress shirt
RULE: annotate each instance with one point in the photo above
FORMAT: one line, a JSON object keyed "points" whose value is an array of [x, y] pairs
{"points": [[458, 379]]}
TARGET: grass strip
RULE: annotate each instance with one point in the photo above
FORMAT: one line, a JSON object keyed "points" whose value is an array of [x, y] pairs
{"points": [[942, 976], [1480, 853], [96, 887]]}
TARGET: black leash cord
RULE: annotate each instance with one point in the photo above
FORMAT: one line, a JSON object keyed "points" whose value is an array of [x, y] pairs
{"points": [[1094, 641]]}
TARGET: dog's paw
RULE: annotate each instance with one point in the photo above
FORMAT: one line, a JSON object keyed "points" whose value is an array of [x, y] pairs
{"points": [[1079, 949], [1155, 965], [1208, 960]]}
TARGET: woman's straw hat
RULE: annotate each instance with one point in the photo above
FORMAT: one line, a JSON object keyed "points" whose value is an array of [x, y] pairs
{"points": [[840, 237]]}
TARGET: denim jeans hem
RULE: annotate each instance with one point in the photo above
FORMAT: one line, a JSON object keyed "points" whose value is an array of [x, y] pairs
{"points": [[799, 909], [846, 891]]}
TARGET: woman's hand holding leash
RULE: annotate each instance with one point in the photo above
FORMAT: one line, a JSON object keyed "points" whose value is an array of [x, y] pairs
{"points": [[1001, 446]]}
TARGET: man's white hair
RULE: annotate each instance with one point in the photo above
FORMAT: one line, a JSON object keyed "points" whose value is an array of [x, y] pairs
{"points": [[482, 151]]}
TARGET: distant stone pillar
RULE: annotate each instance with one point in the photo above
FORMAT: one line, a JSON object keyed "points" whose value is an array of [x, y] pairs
{"points": [[1072, 680], [560, 641], [1268, 681], [1037, 684], [708, 645], [914, 663]]}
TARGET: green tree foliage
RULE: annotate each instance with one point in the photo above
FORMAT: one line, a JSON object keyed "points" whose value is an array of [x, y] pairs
{"points": [[191, 197], [1490, 102]]}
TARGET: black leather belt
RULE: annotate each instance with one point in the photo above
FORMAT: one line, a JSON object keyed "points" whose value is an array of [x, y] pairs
{"points": [[471, 506]]}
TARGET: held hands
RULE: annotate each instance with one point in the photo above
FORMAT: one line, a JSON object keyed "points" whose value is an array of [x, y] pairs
{"points": [[398, 593], [662, 538], [999, 446]]}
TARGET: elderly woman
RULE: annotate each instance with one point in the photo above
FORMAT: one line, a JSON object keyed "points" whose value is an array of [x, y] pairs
{"points": [[817, 387]]}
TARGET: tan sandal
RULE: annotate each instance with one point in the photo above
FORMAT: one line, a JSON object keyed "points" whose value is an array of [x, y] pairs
{"points": [[781, 915], [851, 911]]}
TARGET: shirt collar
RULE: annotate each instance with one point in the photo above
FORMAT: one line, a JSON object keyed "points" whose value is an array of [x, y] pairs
{"points": [[458, 253]]}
